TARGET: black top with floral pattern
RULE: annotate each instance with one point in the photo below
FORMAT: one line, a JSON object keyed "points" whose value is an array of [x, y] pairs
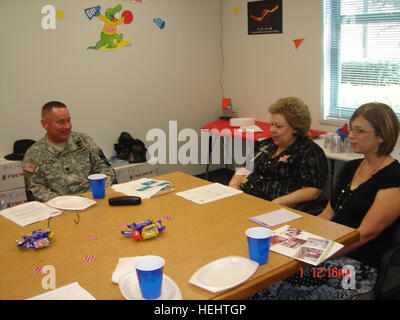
{"points": [[302, 164]]}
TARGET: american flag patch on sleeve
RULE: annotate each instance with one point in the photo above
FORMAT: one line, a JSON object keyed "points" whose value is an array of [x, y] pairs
{"points": [[29, 167]]}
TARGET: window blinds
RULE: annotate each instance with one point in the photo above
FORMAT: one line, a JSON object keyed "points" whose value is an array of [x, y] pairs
{"points": [[361, 55]]}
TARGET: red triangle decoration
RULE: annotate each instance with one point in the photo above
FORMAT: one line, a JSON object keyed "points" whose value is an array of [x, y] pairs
{"points": [[297, 42]]}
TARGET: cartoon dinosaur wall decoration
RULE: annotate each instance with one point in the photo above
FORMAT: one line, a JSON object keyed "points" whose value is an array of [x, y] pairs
{"points": [[109, 38]]}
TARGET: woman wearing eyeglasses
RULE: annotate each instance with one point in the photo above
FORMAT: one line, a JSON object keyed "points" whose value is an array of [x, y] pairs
{"points": [[367, 194], [367, 198]]}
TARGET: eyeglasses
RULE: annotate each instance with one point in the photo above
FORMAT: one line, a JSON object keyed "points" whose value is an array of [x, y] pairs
{"points": [[358, 131], [76, 220]]}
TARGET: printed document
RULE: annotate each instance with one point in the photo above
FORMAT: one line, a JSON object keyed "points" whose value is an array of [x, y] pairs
{"points": [[209, 193], [29, 212]]}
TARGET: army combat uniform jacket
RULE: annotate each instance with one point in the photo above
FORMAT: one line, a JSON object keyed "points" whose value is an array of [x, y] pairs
{"points": [[50, 173]]}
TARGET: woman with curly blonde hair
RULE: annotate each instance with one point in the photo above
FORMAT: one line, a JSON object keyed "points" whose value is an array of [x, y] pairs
{"points": [[289, 168]]}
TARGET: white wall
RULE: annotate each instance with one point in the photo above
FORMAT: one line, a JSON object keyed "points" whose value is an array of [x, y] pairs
{"points": [[259, 69], [169, 74]]}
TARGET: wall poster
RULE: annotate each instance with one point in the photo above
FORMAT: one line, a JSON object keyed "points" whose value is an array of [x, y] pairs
{"points": [[264, 17]]}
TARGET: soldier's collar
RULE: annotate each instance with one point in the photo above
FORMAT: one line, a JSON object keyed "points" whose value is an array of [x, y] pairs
{"points": [[58, 146]]}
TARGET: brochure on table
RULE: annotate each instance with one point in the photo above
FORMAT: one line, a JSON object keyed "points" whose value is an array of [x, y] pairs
{"points": [[144, 188], [302, 245]]}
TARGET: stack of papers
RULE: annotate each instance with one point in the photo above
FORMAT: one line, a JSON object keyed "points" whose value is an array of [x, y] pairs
{"points": [[208, 193], [143, 188], [29, 212]]}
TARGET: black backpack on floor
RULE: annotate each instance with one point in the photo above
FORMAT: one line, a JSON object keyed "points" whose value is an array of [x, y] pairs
{"points": [[128, 148]]}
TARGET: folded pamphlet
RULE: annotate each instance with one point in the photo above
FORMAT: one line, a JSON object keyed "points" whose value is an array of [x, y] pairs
{"points": [[302, 245], [143, 188]]}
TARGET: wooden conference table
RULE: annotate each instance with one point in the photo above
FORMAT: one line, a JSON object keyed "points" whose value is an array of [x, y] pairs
{"points": [[195, 236]]}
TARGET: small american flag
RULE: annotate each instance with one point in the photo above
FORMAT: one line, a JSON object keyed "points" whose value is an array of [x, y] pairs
{"points": [[92, 237], [38, 270], [167, 218], [89, 258], [122, 224]]}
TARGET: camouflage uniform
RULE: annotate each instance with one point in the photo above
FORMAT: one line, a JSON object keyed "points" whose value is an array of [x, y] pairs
{"points": [[50, 173]]}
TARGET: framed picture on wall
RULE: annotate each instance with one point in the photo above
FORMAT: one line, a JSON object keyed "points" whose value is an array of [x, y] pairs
{"points": [[264, 17]]}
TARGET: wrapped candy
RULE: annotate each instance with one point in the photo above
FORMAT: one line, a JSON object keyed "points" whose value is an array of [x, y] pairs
{"points": [[144, 230], [37, 240]]}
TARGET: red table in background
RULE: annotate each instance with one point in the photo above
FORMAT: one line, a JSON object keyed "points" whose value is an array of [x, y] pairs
{"points": [[222, 128]]}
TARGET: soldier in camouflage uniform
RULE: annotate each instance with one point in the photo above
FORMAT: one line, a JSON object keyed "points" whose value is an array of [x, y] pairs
{"points": [[60, 163]]}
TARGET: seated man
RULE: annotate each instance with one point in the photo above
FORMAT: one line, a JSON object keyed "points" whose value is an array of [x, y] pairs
{"points": [[59, 163]]}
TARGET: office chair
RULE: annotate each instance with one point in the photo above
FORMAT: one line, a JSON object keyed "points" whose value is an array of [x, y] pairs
{"points": [[387, 285], [390, 258]]}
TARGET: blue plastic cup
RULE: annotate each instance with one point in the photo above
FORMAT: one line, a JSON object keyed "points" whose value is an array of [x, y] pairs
{"points": [[98, 185], [259, 241], [149, 270]]}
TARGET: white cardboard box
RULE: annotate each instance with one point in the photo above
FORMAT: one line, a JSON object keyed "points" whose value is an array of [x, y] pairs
{"points": [[13, 198], [134, 171], [11, 175]]}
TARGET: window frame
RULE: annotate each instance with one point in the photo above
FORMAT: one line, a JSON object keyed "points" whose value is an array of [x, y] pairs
{"points": [[332, 35]]}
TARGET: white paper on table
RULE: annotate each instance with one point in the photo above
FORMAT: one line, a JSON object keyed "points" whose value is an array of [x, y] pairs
{"points": [[275, 218], [29, 212], [72, 291], [124, 266], [209, 193], [253, 127]]}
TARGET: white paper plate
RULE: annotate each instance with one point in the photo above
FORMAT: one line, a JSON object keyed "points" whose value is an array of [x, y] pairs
{"points": [[71, 203], [129, 287], [224, 273]]}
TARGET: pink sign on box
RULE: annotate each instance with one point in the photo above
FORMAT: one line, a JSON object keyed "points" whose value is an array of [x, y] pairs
{"points": [[12, 198], [11, 175]]}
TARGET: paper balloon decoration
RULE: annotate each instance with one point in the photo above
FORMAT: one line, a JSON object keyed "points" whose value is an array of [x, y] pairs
{"points": [[128, 16], [159, 22]]}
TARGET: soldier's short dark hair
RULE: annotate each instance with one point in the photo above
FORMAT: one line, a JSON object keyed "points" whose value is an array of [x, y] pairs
{"points": [[48, 107]]}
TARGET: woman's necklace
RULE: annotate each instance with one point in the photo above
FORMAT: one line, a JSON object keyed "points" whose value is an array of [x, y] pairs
{"points": [[346, 192], [373, 171]]}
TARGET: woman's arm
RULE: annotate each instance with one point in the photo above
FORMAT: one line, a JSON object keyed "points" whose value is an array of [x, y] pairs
{"points": [[238, 177], [383, 212], [296, 197], [237, 180], [328, 212]]}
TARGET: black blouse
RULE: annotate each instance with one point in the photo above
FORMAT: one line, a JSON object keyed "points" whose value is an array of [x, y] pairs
{"points": [[351, 206], [302, 164]]}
